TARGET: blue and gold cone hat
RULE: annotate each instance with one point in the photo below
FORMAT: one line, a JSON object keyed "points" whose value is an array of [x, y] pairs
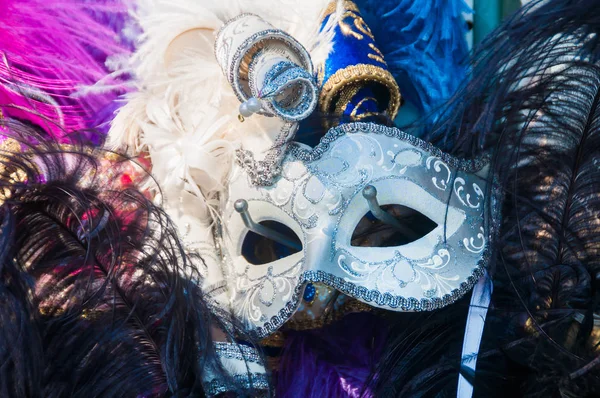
{"points": [[354, 79]]}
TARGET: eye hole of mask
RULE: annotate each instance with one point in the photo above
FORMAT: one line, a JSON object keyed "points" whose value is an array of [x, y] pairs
{"points": [[259, 250], [371, 232]]}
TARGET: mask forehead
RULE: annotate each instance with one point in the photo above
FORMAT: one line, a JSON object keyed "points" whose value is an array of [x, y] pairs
{"points": [[319, 196]]}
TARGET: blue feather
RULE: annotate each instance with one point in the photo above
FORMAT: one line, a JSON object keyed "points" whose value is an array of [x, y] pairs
{"points": [[424, 45]]}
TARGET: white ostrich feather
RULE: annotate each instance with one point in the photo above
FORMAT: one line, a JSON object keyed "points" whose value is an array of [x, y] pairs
{"points": [[184, 112]]}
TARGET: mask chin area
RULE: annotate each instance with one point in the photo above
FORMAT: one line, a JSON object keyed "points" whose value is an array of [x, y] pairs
{"points": [[372, 232], [258, 249]]}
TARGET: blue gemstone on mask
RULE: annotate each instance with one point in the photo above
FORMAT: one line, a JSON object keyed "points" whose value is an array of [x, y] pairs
{"points": [[310, 292]]}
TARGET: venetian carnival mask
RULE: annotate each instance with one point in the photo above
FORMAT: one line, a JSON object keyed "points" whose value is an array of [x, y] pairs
{"points": [[323, 193], [310, 205]]}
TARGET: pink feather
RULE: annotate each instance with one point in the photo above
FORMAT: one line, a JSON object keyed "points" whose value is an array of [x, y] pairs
{"points": [[50, 50]]}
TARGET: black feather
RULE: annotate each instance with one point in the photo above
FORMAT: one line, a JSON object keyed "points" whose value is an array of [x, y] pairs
{"points": [[534, 101], [93, 298], [540, 35], [20, 342], [422, 355]]}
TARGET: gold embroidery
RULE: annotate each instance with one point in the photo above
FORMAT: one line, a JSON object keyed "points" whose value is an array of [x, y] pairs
{"points": [[349, 307], [362, 29], [344, 100], [332, 7], [377, 57], [362, 101], [276, 339], [359, 24], [365, 115], [347, 30]]}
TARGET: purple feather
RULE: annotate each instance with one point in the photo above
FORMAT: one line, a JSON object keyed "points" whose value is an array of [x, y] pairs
{"points": [[334, 361]]}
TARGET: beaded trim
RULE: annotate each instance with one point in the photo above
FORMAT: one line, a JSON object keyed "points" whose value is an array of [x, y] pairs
{"points": [[308, 99], [252, 381], [310, 155], [258, 39], [237, 351], [360, 292], [264, 172], [275, 71], [279, 67], [283, 75]]}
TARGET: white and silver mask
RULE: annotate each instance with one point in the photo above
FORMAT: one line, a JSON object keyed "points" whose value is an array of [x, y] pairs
{"points": [[323, 193]]}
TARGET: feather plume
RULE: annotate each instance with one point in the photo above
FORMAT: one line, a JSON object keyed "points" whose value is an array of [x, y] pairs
{"points": [[421, 356], [424, 46], [192, 80], [93, 299], [185, 102], [534, 101], [51, 51], [20, 341], [549, 245], [329, 362]]}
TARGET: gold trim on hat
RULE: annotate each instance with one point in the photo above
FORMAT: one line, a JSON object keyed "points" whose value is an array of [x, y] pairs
{"points": [[359, 75]]}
